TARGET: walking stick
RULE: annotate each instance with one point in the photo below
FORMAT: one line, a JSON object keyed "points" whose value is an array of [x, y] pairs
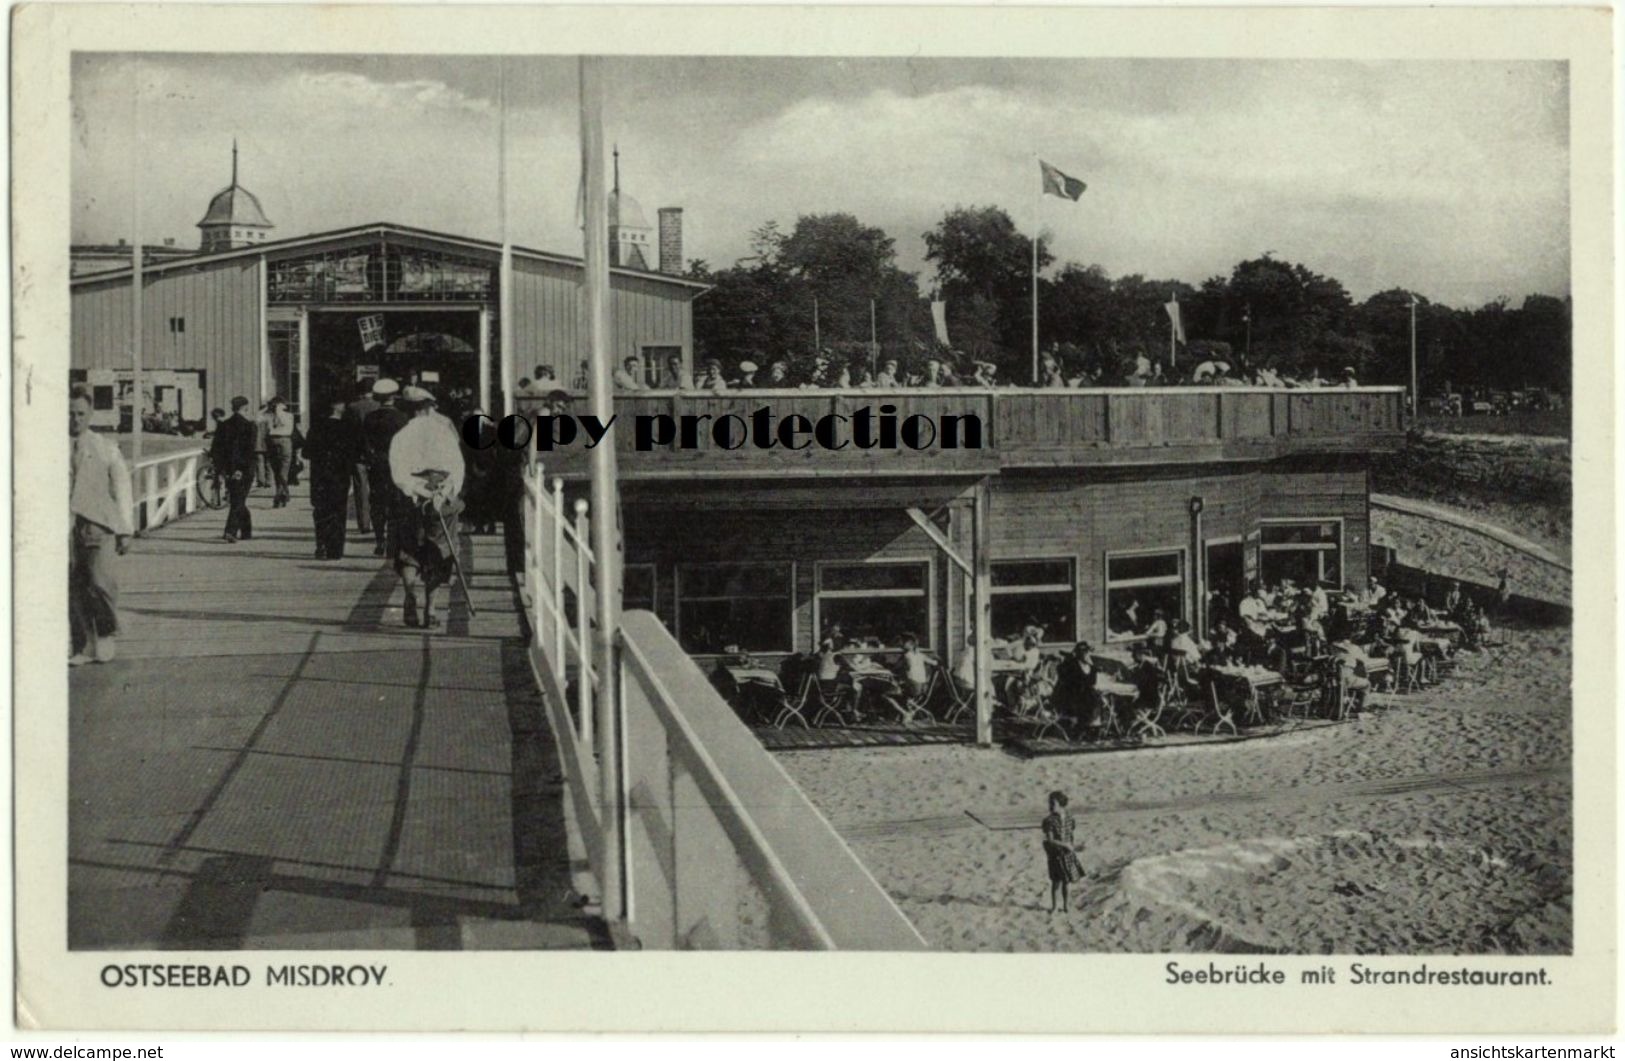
{"points": [[456, 564]]}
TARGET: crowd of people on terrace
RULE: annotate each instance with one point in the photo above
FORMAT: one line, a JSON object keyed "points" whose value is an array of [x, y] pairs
{"points": [[1338, 644], [829, 370]]}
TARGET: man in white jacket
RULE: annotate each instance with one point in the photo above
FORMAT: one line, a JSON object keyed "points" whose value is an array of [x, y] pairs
{"points": [[103, 522]]}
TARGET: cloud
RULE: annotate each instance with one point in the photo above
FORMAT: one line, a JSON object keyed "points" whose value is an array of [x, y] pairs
{"points": [[1429, 175], [340, 89]]}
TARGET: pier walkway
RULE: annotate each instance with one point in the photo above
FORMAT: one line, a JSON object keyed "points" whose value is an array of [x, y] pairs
{"points": [[275, 761]]}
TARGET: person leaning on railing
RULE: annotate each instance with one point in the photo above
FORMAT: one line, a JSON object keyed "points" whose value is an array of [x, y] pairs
{"points": [[99, 500]]}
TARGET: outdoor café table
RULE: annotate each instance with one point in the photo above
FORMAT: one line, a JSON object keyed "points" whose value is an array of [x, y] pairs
{"points": [[872, 678], [1441, 631], [1251, 680], [1114, 695], [744, 676], [1004, 672], [756, 688]]}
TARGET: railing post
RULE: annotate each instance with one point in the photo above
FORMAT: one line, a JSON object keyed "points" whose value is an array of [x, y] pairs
{"points": [[583, 629], [558, 568], [533, 554], [192, 504], [149, 483]]}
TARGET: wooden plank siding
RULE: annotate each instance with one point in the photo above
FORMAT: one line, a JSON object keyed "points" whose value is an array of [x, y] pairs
{"points": [[219, 297], [1080, 515], [220, 305], [1022, 429], [550, 326]]}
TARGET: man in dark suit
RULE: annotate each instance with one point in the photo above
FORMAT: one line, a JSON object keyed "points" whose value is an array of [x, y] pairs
{"points": [[356, 414], [334, 447], [234, 452], [378, 431]]}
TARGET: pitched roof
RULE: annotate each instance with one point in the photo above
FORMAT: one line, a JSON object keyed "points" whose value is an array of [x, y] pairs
{"points": [[235, 205], [374, 230]]}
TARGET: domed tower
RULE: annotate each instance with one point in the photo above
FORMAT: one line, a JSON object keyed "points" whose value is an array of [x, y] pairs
{"points": [[631, 241], [234, 218]]}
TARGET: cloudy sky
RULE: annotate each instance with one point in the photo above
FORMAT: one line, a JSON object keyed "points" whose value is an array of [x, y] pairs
{"points": [[1448, 178]]}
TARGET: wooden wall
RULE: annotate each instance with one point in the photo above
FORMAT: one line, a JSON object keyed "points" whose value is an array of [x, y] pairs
{"points": [[727, 535], [220, 304], [549, 325], [1081, 515]]}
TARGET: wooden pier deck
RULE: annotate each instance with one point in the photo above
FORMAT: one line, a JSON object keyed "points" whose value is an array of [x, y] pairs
{"points": [[275, 761]]}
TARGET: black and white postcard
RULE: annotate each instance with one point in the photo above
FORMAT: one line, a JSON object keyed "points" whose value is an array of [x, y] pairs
{"points": [[1102, 516]]}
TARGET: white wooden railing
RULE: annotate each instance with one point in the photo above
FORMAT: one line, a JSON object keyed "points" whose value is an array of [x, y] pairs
{"points": [[164, 488], [717, 847]]}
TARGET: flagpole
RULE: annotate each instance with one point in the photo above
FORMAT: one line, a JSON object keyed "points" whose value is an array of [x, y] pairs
{"points": [[505, 329], [1173, 329], [1416, 399], [606, 545], [1038, 207], [874, 343], [136, 262]]}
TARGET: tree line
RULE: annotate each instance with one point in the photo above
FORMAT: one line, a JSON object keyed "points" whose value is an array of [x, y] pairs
{"points": [[831, 282]]}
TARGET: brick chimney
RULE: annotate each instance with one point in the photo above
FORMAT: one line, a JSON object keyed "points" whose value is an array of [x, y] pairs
{"points": [[671, 240]]}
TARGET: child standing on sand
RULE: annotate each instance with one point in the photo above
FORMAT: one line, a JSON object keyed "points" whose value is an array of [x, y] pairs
{"points": [[1064, 867]]}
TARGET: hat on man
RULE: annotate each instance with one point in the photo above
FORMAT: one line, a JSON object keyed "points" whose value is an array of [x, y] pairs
{"points": [[238, 402], [413, 395], [747, 366], [384, 388]]}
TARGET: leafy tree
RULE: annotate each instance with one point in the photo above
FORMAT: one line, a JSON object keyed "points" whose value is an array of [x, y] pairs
{"points": [[983, 261]]}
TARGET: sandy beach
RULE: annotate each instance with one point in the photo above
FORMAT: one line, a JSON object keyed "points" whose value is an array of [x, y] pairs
{"points": [[1439, 822]]}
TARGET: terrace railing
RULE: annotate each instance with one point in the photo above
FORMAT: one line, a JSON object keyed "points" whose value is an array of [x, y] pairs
{"points": [[714, 845], [1020, 427], [164, 488]]}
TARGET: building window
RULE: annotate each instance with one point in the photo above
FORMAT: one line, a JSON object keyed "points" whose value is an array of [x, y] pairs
{"points": [[875, 602], [638, 587], [283, 339], [654, 366], [177, 325], [1306, 551], [749, 605], [1140, 588], [1041, 592]]}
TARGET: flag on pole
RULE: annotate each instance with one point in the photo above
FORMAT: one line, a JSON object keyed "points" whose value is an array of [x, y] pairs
{"points": [[939, 317], [1172, 306], [1059, 184]]}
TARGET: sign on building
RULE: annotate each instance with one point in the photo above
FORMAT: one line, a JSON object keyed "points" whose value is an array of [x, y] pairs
{"points": [[372, 331]]}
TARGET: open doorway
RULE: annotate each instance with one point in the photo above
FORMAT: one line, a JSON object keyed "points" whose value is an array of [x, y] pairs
{"points": [[435, 349], [1226, 579]]}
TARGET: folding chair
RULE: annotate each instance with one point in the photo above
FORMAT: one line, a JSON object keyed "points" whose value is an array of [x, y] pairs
{"points": [[1222, 714], [913, 709], [832, 698], [959, 703], [792, 706], [1030, 709], [1407, 675]]}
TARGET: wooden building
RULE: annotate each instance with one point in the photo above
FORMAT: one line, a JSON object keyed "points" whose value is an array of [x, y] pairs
{"points": [[1090, 509], [306, 318]]}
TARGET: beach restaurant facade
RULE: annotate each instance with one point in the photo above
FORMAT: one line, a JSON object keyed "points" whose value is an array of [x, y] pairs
{"points": [[1087, 512], [308, 318]]}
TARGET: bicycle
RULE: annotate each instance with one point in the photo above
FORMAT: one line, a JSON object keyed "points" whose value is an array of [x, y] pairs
{"points": [[211, 485]]}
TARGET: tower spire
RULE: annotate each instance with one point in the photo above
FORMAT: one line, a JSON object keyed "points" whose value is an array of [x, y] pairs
{"points": [[617, 170], [234, 161]]}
